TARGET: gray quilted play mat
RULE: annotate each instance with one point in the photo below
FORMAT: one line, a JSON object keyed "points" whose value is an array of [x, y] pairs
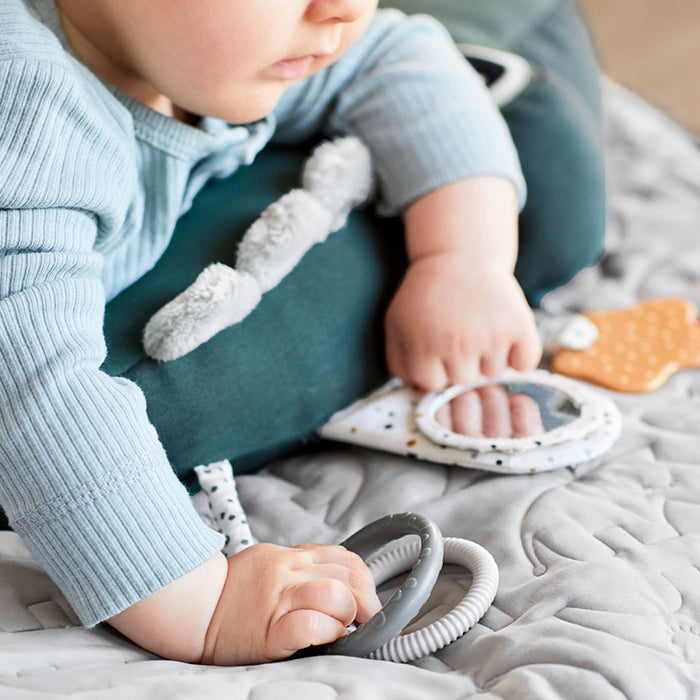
{"points": [[600, 565]]}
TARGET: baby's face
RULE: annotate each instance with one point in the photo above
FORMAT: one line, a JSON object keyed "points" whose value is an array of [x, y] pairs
{"points": [[231, 59]]}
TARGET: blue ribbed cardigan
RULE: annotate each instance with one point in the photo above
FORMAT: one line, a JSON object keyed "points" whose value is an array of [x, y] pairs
{"points": [[91, 186]]}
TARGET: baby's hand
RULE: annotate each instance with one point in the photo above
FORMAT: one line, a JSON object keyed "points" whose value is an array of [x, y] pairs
{"points": [[277, 600], [452, 320]]}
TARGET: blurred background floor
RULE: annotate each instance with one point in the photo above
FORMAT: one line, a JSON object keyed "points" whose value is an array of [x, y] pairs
{"points": [[653, 48]]}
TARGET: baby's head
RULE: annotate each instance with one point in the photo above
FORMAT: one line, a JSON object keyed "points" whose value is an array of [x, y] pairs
{"points": [[230, 59]]}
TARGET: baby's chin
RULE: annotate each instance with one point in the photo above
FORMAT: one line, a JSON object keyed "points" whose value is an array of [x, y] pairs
{"points": [[236, 109]]}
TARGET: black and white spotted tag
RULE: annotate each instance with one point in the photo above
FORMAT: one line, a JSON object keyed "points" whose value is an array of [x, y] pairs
{"points": [[225, 511]]}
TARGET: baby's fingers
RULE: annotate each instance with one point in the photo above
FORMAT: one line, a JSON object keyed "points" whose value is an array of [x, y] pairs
{"points": [[355, 583], [424, 372], [299, 629], [525, 353], [337, 562], [463, 369], [325, 595], [494, 363]]}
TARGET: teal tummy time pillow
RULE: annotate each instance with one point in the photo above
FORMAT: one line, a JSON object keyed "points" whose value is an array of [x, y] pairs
{"points": [[314, 343]]}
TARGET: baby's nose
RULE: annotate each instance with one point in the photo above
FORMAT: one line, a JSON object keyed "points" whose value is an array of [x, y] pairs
{"points": [[338, 10]]}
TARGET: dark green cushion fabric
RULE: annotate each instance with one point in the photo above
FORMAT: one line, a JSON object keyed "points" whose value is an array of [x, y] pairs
{"points": [[314, 344]]}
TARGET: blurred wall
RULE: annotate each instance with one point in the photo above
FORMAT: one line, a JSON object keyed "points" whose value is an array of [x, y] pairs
{"points": [[652, 47]]}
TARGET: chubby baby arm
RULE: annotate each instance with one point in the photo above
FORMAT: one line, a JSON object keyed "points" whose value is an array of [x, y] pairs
{"points": [[265, 603], [459, 311]]}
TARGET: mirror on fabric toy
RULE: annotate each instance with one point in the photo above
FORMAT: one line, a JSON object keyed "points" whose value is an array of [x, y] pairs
{"points": [[506, 410], [523, 422]]}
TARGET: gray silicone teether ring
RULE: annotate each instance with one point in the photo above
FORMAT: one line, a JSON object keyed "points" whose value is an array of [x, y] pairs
{"points": [[404, 605]]}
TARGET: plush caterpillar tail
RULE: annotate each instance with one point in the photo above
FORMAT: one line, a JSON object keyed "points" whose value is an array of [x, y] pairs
{"points": [[336, 179], [277, 241], [218, 298], [339, 175]]}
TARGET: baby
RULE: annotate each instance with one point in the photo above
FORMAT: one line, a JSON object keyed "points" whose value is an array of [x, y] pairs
{"points": [[115, 113]]}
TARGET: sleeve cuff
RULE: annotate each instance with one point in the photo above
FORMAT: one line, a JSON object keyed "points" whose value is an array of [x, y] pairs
{"points": [[120, 540]]}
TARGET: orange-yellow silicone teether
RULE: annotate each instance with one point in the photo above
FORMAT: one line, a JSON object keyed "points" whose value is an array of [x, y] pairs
{"points": [[637, 348]]}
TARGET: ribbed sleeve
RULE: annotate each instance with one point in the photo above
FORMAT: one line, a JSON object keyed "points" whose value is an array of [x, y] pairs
{"points": [[408, 93], [83, 477], [91, 186]]}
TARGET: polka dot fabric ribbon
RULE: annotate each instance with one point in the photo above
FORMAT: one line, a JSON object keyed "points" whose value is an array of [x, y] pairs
{"points": [[225, 510]]}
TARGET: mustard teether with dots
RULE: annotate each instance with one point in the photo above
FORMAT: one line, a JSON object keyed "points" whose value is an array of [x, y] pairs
{"points": [[637, 348]]}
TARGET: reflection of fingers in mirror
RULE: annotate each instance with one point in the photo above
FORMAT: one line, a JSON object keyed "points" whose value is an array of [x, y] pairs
{"points": [[525, 416], [556, 408], [496, 413], [507, 410], [443, 416], [464, 414]]}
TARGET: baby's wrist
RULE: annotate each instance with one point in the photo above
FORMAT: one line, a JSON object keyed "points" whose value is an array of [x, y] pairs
{"points": [[173, 622], [476, 216], [465, 260]]}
